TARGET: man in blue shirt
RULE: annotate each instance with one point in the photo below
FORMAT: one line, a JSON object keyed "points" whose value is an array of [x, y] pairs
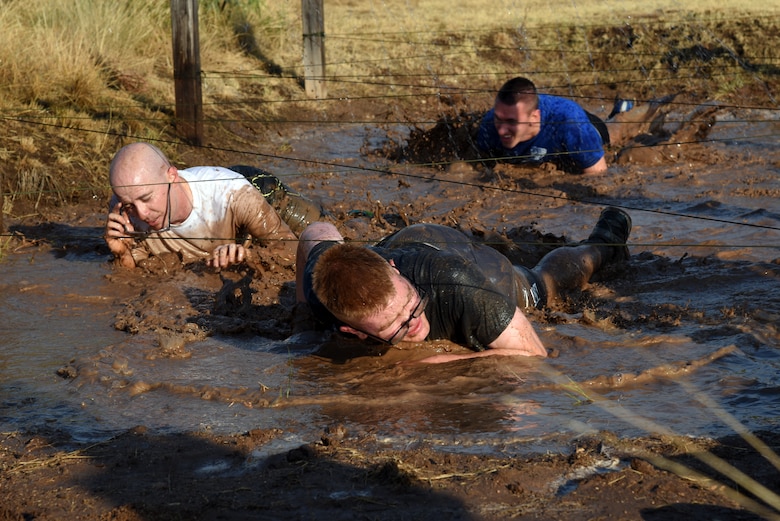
{"points": [[527, 127]]}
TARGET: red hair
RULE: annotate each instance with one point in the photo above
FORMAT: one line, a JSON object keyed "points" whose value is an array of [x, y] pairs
{"points": [[352, 282]]}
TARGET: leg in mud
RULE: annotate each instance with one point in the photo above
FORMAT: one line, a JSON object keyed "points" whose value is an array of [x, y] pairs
{"points": [[644, 118], [571, 267], [294, 209]]}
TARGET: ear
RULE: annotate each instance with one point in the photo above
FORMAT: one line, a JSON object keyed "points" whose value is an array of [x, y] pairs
{"points": [[353, 331], [172, 173], [392, 263]]}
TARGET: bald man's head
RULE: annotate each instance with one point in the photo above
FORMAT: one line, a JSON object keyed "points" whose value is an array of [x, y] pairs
{"points": [[138, 164], [141, 178]]}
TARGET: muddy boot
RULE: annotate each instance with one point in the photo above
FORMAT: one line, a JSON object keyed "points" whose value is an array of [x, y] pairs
{"points": [[265, 182], [612, 230], [298, 211], [621, 105], [295, 210]]}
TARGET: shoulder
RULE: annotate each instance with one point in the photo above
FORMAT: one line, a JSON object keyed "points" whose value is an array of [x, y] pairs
{"points": [[486, 123], [425, 264], [314, 256], [487, 135], [213, 179], [556, 105], [489, 115], [199, 173], [318, 249]]}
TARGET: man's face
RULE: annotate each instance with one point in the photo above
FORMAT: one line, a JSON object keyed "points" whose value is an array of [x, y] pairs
{"points": [[515, 123], [403, 319], [146, 197]]}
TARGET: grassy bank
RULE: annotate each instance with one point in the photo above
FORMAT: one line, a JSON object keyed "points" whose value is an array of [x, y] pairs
{"points": [[77, 76]]}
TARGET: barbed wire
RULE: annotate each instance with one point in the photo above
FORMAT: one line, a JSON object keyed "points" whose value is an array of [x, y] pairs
{"points": [[436, 89], [539, 72], [25, 116], [331, 167]]}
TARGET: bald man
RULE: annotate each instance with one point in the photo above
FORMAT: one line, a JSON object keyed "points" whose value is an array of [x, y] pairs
{"points": [[198, 213]]}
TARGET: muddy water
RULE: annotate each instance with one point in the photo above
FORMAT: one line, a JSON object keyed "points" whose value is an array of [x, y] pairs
{"points": [[53, 310], [684, 339]]}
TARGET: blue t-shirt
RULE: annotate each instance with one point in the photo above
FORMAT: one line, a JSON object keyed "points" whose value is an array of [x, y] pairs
{"points": [[566, 137]]}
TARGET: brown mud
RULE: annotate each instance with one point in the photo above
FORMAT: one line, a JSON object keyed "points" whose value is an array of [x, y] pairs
{"points": [[141, 475]]}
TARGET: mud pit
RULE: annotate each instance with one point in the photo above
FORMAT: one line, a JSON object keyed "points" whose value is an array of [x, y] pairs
{"points": [[384, 438]]}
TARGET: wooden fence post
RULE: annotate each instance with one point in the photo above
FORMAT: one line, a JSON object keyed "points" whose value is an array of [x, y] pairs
{"points": [[313, 47], [186, 70], [2, 202]]}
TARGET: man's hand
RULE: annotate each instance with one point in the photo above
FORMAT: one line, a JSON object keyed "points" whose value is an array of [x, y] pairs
{"points": [[227, 254], [117, 226]]}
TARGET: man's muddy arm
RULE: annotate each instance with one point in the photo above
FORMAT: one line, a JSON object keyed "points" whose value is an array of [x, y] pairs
{"points": [[518, 339], [314, 234]]}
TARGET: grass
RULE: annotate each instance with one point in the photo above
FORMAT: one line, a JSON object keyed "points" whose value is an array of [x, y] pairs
{"points": [[82, 78], [75, 73], [769, 509], [5, 244]]}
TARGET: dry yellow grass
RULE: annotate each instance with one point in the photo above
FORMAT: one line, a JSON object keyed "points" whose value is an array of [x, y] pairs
{"points": [[441, 15], [77, 76]]}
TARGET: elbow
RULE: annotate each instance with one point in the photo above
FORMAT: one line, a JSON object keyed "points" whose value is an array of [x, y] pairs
{"points": [[599, 167]]}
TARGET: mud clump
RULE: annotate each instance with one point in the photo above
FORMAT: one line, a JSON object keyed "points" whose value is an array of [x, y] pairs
{"points": [[452, 137]]}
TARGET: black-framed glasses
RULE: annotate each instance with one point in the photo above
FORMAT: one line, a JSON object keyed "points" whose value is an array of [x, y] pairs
{"points": [[401, 331], [140, 235]]}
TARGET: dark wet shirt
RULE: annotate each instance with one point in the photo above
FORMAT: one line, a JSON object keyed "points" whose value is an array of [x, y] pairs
{"points": [[465, 306]]}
